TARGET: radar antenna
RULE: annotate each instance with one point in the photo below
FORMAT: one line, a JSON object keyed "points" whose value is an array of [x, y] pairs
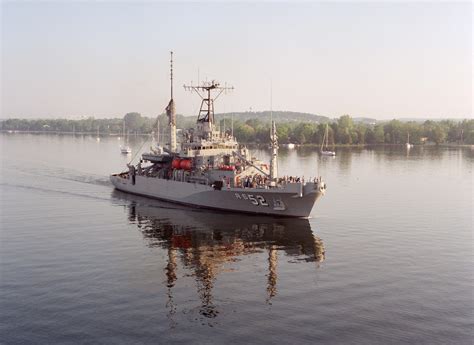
{"points": [[206, 111]]}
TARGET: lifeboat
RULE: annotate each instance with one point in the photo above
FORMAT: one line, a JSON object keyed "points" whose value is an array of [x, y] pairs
{"points": [[186, 164], [176, 164]]}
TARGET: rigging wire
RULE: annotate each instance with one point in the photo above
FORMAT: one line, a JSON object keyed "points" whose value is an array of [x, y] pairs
{"points": [[139, 150]]}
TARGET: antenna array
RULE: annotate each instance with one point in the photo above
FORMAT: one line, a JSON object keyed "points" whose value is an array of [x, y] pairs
{"points": [[206, 112]]}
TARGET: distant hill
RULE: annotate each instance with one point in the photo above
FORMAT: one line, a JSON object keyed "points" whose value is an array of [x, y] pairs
{"points": [[421, 120], [278, 116], [366, 120]]}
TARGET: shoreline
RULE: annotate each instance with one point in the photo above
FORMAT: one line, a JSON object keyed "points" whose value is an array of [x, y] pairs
{"points": [[258, 145], [71, 133], [363, 145]]}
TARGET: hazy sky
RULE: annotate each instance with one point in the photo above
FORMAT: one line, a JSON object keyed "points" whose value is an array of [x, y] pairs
{"points": [[105, 59]]}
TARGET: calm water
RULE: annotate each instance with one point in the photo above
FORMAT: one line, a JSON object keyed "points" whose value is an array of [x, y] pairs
{"points": [[386, 258]]}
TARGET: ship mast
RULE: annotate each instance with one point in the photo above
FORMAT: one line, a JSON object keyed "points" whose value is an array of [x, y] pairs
{"points": [[273, 142], [171, 112], [274, 145]]}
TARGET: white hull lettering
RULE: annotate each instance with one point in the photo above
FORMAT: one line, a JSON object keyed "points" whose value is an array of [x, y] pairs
{"points": [[256, 200]]}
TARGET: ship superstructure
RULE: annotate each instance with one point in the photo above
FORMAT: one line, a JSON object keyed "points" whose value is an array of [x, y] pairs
{"points": [[211, 169]]}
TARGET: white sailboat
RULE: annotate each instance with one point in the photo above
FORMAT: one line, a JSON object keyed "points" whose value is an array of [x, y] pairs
{"points": [[289, 146], [408, 145], [125, 149], [156, 147], [324, 145]]}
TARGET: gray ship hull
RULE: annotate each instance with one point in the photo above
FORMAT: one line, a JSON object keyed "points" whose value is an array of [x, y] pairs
{"points": [[292, 200]]}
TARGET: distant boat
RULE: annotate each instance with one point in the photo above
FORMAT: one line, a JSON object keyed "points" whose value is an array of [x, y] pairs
{"points": [[408, 145], [98, 134], [289, 145], [324, 145], [156, 147], [125, 149]]}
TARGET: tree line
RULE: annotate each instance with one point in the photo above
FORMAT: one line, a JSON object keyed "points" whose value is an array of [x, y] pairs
{"points": [[343, 131], [131, 123]]}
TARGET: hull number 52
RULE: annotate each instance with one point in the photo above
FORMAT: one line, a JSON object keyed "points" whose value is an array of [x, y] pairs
{"points": [[256, 200]]}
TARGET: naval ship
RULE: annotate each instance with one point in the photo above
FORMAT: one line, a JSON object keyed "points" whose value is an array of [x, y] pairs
{"points": [[210, 169]]}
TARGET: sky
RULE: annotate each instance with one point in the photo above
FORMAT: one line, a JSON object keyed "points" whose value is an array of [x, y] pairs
{"points": [[105, 59]]}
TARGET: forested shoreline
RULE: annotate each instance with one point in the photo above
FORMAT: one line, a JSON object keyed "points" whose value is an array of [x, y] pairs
{"points": [[341, 131]]}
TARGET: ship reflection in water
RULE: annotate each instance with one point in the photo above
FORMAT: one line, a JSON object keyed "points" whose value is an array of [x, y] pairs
{"points": [[203, 242]]}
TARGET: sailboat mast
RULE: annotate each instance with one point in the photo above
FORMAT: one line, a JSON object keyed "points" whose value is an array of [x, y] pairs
{"points": [[324, 138], [327, 135]]}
